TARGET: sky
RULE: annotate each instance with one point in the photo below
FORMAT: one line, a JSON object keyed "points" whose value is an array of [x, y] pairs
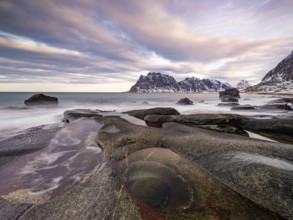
{"points": [[105, 45]]}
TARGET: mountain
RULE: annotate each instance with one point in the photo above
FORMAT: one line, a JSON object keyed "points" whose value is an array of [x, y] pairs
{"points": [[197, 85], [283, 72], [157, 82], [243, 84], [279, 78]]}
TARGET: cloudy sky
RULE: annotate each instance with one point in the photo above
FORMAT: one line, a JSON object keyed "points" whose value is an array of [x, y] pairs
{"points": [[104, 45]]}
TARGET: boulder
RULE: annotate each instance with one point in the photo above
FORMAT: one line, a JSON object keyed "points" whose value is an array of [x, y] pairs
{"points": [[185, 101], [41, 99], [230, 95], [152, 111], [243, 107]]}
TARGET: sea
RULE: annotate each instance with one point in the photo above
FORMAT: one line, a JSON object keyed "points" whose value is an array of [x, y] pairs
{"points": [[15, 118]]}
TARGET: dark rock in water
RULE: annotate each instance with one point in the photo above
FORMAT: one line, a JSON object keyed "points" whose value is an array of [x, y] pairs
{"points": [[276, 107], [228, 104], [197, 119], [243, 107], [185, 101], [201, 101], [152, 111], [230, 93], [41, 99]]}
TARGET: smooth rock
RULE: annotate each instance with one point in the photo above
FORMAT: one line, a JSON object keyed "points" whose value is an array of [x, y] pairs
{"points": [[152, 111], [74, 114], [214, 151], [41, 99], [230, 93], [197, 119]]}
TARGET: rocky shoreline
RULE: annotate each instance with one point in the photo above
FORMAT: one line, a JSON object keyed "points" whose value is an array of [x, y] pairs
{"points": [[198, 166]]}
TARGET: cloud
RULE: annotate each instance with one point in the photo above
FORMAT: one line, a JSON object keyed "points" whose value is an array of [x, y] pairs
{"points": [[106, 41]]}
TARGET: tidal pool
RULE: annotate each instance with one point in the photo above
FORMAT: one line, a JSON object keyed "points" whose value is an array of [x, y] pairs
{"points": [[164, 185]]}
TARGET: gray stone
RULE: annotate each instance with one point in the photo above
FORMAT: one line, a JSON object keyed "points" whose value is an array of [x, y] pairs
{"points": [[41, 99], [152, 111]]}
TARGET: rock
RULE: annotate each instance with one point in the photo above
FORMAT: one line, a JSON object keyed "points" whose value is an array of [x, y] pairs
{"points": [[276, 107], [41, 99], [176, 172], [185, 101], [197, 119], [276, 128], [243, 107], [74, 114], [201, 101], [247, 166], [228, 104], [229, 94], [152, 111]]}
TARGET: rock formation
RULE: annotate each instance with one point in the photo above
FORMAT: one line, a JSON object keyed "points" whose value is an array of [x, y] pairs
{"points": [[41, 99]]}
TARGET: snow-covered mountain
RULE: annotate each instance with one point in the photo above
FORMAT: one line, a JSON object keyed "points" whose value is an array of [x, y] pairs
{"points": [[283, 72], [279, 78], [197, 85], [243, 84], [157, 82]]}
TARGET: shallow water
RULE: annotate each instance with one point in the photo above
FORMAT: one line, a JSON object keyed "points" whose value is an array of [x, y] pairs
{"points": [[16, 120], [70, 156]]}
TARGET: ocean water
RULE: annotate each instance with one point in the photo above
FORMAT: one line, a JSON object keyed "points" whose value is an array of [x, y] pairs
{"points": [[16, 120]]}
